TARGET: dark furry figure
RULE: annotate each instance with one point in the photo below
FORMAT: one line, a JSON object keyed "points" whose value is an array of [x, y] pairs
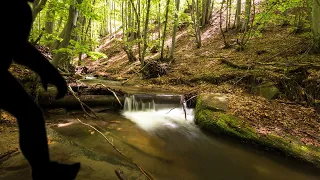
{"points": [[16, 25]]}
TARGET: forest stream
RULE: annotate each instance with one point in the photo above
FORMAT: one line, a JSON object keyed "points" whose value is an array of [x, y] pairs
{"points": [[154, 132]]}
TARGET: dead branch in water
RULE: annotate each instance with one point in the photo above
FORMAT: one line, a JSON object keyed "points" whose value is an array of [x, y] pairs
{"points": [[115, 95], [83, 105], [184, 109], [121, 153]]}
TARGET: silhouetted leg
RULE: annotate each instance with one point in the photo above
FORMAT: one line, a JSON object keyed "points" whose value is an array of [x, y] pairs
{"points": [[33, 137], [32, 131]]}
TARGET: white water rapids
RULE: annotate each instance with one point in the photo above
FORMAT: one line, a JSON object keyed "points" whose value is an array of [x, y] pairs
{"points": [[154, 112]]}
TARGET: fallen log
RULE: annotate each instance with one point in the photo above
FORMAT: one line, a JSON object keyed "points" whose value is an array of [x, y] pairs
{"points": [[70, 102], [233, 65]]}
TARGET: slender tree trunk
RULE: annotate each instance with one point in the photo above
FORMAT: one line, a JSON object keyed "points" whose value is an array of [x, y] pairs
{"points": [[137, 13], [38, 6], [114, 16], [316, 23], [71, 23], [49, 26], [139, 32], [176, 22], [238, 13], [198, 32], [56, 43], [159, 24], [81, 37], [204, 12], [110, 18], [229, 17], [145, 33], [126, 18], [208, 12], [123, 21], [59, 24], [165, 29], [130, 27], [194, 19], [226, 45], [247, 16]]}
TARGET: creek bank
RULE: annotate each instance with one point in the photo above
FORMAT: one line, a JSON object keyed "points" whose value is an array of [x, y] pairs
{"points": [[212, 114]]}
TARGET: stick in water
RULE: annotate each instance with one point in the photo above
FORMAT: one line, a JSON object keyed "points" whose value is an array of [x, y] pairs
{"points": [[115, 148]]}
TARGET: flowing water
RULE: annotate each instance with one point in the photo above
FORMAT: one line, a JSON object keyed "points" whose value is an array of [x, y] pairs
{"points": [[161, 136]]}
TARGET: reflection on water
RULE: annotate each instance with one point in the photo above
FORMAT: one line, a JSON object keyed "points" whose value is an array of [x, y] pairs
{"points": [[169, 146]]}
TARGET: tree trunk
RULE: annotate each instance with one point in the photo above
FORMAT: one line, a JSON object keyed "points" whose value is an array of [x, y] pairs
{"points": [[316, 23], [138, 31], [38, 6], [198, 24], [137, 13], [165, 29], [229, 17], [50, 19], [247, 16], [49, 25], [209, 11], [145, 33], [159, 24], [59, 24], [123, 21], [56, 43], [204, 12], [194, 19], [72, 19], [176, 21], [238, 13]]}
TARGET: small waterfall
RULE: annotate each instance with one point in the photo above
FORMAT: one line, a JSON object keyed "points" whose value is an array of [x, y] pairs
{"points": [[136, 103], [152, 112], [147, 102]]}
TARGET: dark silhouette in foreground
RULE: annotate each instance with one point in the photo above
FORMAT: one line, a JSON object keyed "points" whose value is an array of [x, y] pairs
{"points": [[16, 17]]}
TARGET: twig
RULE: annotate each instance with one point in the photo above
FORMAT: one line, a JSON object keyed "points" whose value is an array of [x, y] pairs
{"points": [[115, 95], [121, 153], [185, 113], [83, 105]]}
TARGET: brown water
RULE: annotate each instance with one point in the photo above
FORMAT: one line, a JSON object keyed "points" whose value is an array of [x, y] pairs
{"points": [[170, 147]]}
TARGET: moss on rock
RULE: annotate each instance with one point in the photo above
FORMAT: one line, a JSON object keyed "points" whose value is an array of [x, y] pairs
{"points": [[223, 123]]}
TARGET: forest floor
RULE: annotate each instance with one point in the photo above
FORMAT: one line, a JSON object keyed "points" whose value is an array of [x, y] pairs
{"points": [[280, 58]]}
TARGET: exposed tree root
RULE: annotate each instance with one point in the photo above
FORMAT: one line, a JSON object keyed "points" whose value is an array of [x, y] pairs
{"points": [[231, 64]]}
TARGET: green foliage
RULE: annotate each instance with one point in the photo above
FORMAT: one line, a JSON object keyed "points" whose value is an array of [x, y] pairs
{"points": [[293, 13], [96, 55]]}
